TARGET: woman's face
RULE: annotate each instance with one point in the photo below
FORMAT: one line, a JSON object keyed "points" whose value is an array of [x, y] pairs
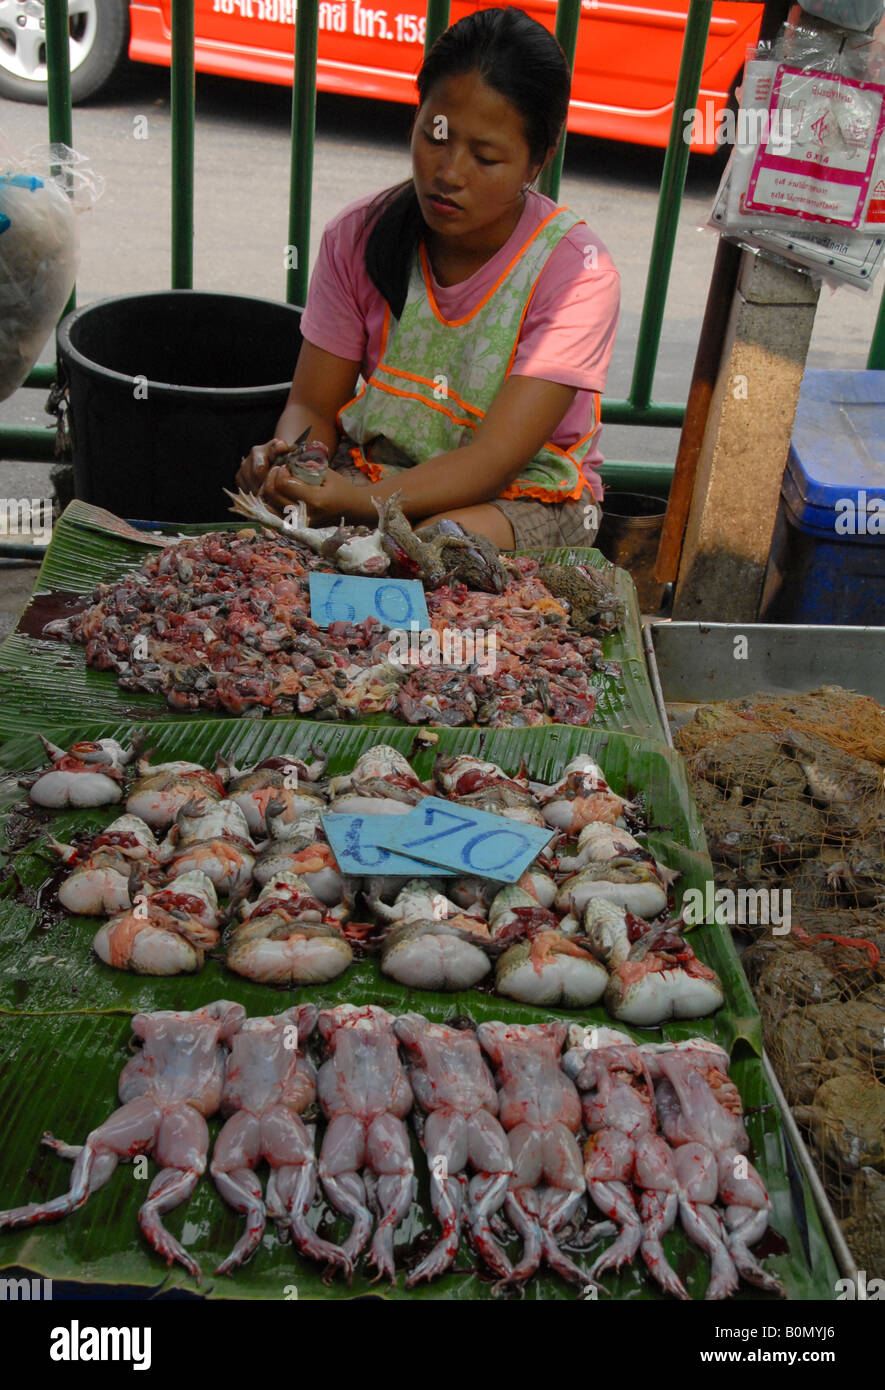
{"points": [[470, 160]]}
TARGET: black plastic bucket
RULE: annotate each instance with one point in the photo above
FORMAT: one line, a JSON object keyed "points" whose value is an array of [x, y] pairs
{"points": [[168, 392], [629, 535]]}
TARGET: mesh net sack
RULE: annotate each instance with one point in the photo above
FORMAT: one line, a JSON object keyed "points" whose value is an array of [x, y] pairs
{"points": [[791, 794]]}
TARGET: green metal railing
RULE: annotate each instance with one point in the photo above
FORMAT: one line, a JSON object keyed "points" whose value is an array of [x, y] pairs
{"points": [[181, 107], [637, 409], [876, 358]]}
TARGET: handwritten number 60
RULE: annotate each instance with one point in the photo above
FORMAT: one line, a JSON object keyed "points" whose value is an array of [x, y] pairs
{"points": [[347, 617], [362, 853], [385, 603]]}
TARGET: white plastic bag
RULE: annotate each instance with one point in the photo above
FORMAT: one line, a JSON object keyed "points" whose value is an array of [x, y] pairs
{"points": [[40, 195]]}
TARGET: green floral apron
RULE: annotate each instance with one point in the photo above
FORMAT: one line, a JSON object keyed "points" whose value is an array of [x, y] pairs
{"points": [[437, 377]]}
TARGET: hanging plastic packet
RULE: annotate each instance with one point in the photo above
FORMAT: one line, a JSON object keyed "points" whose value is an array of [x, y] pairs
{"points": [[837, 257], [40, 195], [806, 180]]}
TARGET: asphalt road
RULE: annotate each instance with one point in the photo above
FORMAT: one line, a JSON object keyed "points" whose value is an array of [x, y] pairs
{"points": [[242, 159]]}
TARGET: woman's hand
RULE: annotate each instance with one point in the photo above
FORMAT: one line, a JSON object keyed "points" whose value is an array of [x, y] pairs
{"points": [[335, 497], [254, 469]]}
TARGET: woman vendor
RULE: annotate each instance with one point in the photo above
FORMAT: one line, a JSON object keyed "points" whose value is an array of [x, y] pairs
{"points": [[479, 314]]}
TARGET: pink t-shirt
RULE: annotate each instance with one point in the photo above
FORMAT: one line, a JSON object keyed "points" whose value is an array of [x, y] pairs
{"points": [[567, 334]]}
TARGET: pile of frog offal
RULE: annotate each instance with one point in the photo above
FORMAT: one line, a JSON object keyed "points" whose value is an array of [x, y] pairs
{"points": [[792, 795], [222, 622]]}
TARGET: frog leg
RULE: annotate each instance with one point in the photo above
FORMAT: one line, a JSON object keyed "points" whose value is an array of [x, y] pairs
{"points": [[489, 1156], [181, 1148], [521, 1202], [237, 1151], [288, 1147], [445, 1144], [390, 1157], [608, 1168], [747, 1208], [341, 1159], [560, 1198], [695, 1166], [658, 1208], [128, 1132]]}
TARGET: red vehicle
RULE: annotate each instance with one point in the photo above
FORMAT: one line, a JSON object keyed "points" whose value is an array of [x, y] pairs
{"points": [[626, 62]]}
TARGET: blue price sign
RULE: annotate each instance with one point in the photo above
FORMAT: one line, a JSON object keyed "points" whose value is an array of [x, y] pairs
{"points": [[464, 840], [354, 841], [349, 598]]}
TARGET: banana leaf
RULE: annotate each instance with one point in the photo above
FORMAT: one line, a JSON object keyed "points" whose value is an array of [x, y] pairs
{"points": [[47, 681], [64, 1028], [60, 1073], [632, 765]]}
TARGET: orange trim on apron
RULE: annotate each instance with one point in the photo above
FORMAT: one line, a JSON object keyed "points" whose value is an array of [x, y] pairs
{"points": [[385, 328], [422, 400], [412, 376], [519, 326], [456, 323], [517, 491], [373, 471], [597, 421]]}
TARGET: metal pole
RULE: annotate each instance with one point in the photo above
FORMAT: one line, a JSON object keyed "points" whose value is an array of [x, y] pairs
{"points": [[437, 22], [672, 184], [58, 72], [304, 100], [43, 374], [623, 475], [876, 358], [182, 110], [58, 89], [720, 297], [568, 17], [28, 442], [618, 412]]}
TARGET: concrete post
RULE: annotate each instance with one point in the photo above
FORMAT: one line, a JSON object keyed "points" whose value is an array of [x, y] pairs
{"points": [[746, 442]]}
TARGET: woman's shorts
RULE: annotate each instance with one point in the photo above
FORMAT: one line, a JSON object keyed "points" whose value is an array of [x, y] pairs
{"points": [[546, 525]]}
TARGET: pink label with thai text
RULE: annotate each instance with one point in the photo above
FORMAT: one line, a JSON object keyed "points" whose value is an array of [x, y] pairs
{"points": [[822, 170]]}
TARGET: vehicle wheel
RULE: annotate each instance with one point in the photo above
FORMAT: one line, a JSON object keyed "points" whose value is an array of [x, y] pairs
{"points": [[99, 33]]}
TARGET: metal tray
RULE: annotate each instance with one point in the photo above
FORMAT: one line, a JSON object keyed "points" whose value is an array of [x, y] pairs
{"points": [[691, 663]]}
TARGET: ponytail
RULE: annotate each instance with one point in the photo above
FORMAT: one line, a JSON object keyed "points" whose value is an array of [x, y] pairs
{"points": [[393, 242]]}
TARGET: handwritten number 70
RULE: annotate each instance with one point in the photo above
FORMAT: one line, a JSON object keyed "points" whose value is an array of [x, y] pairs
{"points": [[466, 851]]}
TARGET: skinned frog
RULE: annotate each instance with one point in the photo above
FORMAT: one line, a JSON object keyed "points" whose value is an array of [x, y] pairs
{"points": [[168, 1090]]}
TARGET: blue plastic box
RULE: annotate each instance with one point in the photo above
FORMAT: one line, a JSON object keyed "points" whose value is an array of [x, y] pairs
{"points": [[827, 559]]}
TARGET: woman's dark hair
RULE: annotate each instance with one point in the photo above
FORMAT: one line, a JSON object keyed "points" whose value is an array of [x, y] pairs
{"points": [[518, 58]]}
